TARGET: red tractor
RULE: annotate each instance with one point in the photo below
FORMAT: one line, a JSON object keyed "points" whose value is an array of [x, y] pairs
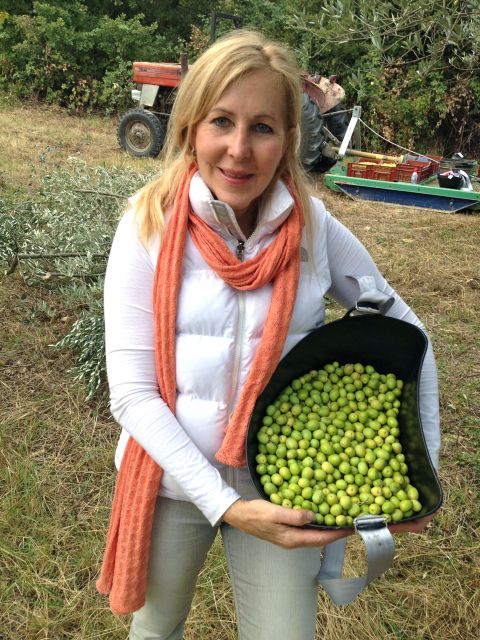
{"points": [[141, 130]]}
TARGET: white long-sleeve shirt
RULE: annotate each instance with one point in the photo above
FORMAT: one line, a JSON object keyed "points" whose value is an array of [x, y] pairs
{"points": [[191, 472]]}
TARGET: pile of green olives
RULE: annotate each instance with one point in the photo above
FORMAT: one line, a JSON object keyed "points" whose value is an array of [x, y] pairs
{"points": [[330, 444]]}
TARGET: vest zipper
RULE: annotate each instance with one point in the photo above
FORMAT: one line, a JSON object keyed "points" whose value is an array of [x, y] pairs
{"points": [[240, 251], [238, 348]]}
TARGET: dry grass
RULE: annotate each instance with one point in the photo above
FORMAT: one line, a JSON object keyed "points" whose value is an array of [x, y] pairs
{"points": [[56, 472], [33, 135]]}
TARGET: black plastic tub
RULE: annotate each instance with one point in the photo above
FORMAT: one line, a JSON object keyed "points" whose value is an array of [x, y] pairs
{"points": [[450, 182], [389, 345]]}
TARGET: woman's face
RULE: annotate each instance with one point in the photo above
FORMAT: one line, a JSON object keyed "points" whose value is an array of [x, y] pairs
{"points": [[241, 141]]}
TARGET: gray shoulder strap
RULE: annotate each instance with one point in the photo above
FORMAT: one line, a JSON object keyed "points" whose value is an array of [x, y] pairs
{"points": [[380, 549], [371, 299]]}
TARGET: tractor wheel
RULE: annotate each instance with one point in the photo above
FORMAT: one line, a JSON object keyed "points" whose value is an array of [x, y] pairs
{"points": [[337, 123], [311, 135], [140, 133]]}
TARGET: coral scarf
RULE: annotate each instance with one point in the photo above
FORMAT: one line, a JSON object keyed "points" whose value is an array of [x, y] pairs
{"points": [[125, 563]]}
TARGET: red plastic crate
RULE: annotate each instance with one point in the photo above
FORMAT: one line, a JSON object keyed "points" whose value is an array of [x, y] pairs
{"points": [[383, 172], [357, 169], [376, 171], [401, 172], [423, 169]]}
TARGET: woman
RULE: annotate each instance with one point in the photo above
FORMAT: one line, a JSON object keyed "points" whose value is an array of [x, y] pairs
{"points": [[220, 268]]}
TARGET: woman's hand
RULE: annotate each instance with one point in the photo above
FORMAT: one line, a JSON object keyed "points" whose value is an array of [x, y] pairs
{"points": [[283, 526], [279, 525]]}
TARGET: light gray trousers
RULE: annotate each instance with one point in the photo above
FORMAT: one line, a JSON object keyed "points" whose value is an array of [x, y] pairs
{"points": [[274, 589]]}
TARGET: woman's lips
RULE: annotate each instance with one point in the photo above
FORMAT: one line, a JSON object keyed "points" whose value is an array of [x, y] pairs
{"points": [[236, 177]]}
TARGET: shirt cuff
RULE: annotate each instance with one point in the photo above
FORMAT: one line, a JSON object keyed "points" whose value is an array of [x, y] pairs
{"points": [[226, 499]]}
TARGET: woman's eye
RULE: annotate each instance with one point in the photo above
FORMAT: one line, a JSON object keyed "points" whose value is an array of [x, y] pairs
{"points": [[261, 127], [221, 121]]}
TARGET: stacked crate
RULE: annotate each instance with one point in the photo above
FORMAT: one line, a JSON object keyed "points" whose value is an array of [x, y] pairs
{"points": [[424, 170], [391, 172], [372, 170]]}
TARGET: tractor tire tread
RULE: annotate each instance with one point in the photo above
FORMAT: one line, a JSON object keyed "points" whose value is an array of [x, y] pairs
{"points": [[153, 124]]}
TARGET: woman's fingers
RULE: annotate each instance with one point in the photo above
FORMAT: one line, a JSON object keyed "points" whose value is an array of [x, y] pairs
{"points": [[279, 525], [291, 537], [285, 527]]}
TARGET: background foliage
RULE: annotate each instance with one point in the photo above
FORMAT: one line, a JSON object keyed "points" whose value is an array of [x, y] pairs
{"points": [[414, 67], [79, 53]]}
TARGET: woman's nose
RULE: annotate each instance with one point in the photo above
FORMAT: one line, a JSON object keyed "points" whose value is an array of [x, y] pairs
{"points": [[239, 144]]}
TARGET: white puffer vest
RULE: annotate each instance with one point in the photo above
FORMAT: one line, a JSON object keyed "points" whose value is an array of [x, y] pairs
{"points": [[219, 328]]}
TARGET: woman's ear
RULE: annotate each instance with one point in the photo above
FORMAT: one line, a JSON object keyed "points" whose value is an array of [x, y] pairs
{"points": [[193, 136], [289, 138], [291, 134], [190, 145]]}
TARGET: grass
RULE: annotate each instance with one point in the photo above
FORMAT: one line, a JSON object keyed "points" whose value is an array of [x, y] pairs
{"points": [[56, 450], [39, 134]]}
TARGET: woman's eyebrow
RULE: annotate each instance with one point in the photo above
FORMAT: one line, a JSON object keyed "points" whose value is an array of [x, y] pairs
{"points": [[231, 113]]}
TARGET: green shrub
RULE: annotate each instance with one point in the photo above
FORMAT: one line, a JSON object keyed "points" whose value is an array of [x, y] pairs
{"points": [[86, 341], [70, 57], [114, 89]]}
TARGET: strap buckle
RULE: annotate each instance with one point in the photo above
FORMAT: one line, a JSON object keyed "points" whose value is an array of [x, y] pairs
{"points": [[369, 522], [367, 307]]}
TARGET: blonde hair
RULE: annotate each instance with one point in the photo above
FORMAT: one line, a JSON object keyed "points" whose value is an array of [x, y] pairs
{"points": [[230, 58]]}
